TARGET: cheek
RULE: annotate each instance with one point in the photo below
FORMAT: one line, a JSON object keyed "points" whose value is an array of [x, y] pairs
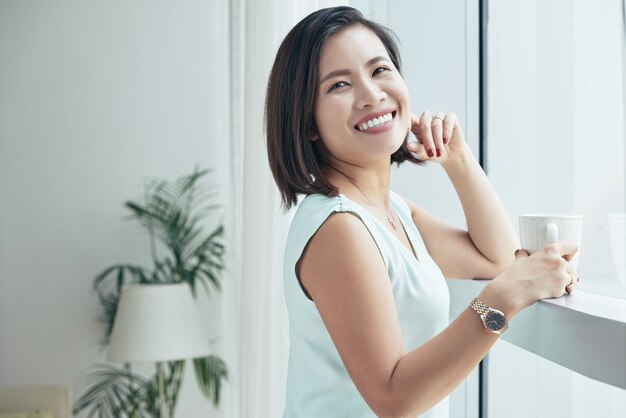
{"points": [[406, 119], [401, 92], [319, 117], [328, 115]]}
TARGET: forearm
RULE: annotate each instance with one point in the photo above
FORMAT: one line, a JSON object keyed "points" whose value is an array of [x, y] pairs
{"points": [[429, 373], [488, 223]]}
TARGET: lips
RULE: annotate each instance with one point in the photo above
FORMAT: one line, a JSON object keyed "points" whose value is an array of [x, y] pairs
{"points": [[374, 120]]}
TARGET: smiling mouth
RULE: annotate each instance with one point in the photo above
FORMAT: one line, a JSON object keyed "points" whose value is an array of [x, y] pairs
{"points": [[375, 122]]}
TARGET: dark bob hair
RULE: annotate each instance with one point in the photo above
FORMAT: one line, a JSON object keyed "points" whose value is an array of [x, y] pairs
{"points": [[296, 162]]}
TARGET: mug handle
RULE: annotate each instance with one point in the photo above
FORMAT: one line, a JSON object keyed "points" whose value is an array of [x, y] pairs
{"points": [[552, 233]]}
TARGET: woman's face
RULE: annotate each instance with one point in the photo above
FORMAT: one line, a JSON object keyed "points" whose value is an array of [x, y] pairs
{"points": [[362, 108]]}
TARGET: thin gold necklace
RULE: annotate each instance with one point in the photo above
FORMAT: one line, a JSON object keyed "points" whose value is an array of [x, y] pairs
{"points": [[393, 222]]}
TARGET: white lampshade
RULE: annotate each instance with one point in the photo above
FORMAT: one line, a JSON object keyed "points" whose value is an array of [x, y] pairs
{"points": [[157, 322]]}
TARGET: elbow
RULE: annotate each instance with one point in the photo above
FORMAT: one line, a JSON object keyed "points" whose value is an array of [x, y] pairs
{"points": [[493, 269], [391, 413], [396, 411], [504, 261], [496, 270], [390, 406], [499, 267]]}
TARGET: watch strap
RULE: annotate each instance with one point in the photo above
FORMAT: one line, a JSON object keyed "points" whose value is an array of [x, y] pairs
{"points": [[479, 307], [484, 311]]}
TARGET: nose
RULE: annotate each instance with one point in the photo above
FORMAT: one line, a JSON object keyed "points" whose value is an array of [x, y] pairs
{"points": [[369, 93]]}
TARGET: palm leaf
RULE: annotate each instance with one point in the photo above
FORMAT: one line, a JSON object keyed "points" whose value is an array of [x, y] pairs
{"points": [[185, 183], [112, 391], [210, 372], [108, 286], [121, 274], [109, 305]]}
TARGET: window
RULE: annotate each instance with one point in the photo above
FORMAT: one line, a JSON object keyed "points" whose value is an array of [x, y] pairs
{"points": [[556, 143], [556, 136]]}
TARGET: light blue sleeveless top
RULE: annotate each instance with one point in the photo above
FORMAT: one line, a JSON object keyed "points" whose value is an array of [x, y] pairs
{"points": [[318, 385]]}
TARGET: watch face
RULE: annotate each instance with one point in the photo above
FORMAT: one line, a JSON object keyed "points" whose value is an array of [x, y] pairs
{"points": [[494, 321]]}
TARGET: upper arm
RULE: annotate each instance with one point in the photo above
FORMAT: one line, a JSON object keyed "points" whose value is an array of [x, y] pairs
{"points": [[452, 248], [344, 273]]}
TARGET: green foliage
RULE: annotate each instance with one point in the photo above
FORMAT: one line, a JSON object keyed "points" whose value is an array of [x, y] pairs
{"points": [[209, 373], [172, 214], [116, 392]]}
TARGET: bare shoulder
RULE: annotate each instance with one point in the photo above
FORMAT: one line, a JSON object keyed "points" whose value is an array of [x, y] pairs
{"points": [[345, 274], [341, 244]]}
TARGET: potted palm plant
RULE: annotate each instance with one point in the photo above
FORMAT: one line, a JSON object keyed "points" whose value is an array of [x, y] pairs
{"points": [[172, 214]]}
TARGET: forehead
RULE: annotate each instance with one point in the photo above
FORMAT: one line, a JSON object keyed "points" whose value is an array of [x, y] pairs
{"points": [[350, 47]]}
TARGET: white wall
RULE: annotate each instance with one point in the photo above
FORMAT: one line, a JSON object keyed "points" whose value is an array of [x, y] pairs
{"points": [[95, 98]]}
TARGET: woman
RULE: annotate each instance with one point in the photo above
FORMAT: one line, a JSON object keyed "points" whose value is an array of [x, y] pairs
{"points": [[364, 267]]}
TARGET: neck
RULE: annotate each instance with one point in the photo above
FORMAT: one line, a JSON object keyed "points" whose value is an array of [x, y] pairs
{"points": [[373, 185]]}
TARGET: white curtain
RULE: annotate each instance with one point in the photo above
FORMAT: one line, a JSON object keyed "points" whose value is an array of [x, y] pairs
{"points": [[254, 308]]}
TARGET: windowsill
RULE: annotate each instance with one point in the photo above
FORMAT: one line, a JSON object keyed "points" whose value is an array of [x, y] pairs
{"points": [[605, 287], [584, 332]]}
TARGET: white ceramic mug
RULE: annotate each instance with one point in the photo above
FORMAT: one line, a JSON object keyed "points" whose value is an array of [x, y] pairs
{"points": [[617, 236], [539, 230]]}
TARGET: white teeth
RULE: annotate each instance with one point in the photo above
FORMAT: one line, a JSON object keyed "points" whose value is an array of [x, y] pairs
{"points": [[375, 122]]}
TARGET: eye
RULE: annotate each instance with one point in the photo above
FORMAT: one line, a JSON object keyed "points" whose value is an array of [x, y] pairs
{"points": [[337, 85], [380, 70]]}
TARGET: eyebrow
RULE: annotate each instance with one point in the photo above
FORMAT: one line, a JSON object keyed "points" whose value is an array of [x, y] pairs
{"points": [[347, 72]]}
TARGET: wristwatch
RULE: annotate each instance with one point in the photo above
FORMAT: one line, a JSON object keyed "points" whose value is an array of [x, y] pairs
{"points": [[493, 319]]}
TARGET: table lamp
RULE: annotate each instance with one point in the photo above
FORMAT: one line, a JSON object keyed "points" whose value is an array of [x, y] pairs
{"points": [[157, 323]]}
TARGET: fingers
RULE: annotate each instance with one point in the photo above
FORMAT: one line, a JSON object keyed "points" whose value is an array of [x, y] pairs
{"points": [[565, 249], [552, 267], [430, 130], [572, 279], [449, 123], [521, 253], [416, 147], [425, 133], [437, 132]]}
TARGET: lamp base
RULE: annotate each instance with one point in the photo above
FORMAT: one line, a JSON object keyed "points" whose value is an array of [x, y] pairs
{"points": [[161, 379]]}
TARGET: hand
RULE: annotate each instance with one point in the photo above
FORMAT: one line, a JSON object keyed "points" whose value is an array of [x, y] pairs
{"points": [[439, 137], [545, 274]]}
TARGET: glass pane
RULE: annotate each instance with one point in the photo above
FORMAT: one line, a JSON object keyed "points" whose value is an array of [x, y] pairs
{"points": [[556, 137], [541, 388]]}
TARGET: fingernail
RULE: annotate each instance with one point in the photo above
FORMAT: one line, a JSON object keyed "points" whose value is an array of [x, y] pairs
{"points": [[445, 141], [430, 153], [438, 152]]}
